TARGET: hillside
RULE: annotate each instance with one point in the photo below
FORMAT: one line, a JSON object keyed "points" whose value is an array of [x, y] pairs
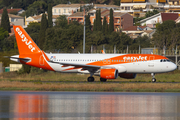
{"points": [[26, 3]]}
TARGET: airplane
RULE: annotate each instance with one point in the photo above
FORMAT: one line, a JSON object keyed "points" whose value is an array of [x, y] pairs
{"points": [[107, 66]]}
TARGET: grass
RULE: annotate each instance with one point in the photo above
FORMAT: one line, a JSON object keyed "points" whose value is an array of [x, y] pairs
{"points": [[51, 81]]}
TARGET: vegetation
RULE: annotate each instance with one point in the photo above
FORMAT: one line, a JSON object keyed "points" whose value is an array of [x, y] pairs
{"points": [[105, 26], [50, 23], [52, 81], [44, 26], [167, 35], [111, 23], [5, 24], [151, 13], [148, 14], [39, 6]]}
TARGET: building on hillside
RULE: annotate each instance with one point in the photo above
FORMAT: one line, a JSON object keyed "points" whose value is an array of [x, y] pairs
{"points": [[78, 16], [66, 9], [35, 18], [148, 33], [121, 20], [13, 11], [69, 9], [104, 6], [158, 18], [137, 31], [138, 7], [15, 19]]}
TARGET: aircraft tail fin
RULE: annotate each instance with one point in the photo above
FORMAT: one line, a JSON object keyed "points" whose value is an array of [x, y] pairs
{"points": [[25, 43]]}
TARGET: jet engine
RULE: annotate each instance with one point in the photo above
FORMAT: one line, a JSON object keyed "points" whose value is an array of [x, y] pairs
{"points": [[127, 75], [109, 73]]}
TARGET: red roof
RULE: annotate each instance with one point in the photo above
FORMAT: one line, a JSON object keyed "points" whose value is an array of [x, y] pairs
{"points": [[131, 28], [169, 16], [11, 10]]}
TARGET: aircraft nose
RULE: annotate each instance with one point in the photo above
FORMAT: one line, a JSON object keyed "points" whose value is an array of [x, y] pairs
{"points": [[173, 66]]}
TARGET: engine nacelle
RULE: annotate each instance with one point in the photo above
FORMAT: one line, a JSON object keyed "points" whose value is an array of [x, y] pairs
{"points": [[109, 73], [127, 75]]}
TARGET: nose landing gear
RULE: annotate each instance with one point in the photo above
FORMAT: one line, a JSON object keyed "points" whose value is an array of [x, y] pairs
{"points": [[153, 77]]}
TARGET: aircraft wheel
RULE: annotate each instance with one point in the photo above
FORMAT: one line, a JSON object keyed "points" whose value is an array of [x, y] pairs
{"points": [[153, 80], [103, 80], [90, 79]]}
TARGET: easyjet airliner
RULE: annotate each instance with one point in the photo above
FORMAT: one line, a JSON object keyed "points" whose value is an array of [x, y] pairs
{"points": [[107, 66]]}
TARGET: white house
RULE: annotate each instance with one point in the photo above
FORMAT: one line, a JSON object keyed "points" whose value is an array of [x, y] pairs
{"points": [[158, 18]]}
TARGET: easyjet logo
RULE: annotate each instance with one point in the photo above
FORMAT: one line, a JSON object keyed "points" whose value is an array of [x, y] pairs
{"points": [[25, 40], [133, 58]]}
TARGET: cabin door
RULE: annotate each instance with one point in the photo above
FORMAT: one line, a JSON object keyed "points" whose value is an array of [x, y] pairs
{"points": [[151, 61], [41, 60]]}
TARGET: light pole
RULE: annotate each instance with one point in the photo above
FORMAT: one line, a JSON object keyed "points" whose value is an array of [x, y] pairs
{"points": [[84, 33]]}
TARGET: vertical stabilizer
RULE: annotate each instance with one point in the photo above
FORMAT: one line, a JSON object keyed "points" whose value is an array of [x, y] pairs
{"points": [[25, 44]]}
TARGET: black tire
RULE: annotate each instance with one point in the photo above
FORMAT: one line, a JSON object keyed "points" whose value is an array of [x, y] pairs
{"points": [[90, 79], [153, 80], [103, 80]]}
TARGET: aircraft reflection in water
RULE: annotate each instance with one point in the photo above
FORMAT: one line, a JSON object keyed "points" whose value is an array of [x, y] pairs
{"points": [[78, 106]]}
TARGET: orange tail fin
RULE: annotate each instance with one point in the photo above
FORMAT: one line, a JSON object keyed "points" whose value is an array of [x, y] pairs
{"points": [[25, 43]]}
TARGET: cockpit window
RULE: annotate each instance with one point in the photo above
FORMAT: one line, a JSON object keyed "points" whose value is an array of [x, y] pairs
{"points": [[164, 60]]}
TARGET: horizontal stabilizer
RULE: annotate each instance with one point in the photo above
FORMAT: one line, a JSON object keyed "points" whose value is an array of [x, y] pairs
{"points": [[23, 59]]}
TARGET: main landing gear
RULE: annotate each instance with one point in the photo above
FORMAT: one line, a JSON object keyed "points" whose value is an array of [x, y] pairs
{"points": [[153, 77], [91, 79], [103, 80]]}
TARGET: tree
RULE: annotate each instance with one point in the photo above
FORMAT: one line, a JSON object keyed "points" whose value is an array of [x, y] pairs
{"points": [[9, 43], [44, 26], [88, 23], [104, 29], [98, 21], [111, 24], [143, 41], [117, 2], [33, 30], [94, 26], [167, 34], [5, 24], [151, 13], [36, 8], [7, 2], [3, 34], [61, 22], [50, 24]]}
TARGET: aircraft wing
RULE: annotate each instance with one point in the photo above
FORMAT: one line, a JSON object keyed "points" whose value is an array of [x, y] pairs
{"points": [[77, 65]]}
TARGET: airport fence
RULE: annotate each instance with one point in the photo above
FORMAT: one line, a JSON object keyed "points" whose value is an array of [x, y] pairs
{"points": [[158, 52]]}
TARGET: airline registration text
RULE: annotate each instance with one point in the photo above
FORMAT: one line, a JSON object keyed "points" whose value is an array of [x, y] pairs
{"points": [[25, 40], [132, 58]]}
